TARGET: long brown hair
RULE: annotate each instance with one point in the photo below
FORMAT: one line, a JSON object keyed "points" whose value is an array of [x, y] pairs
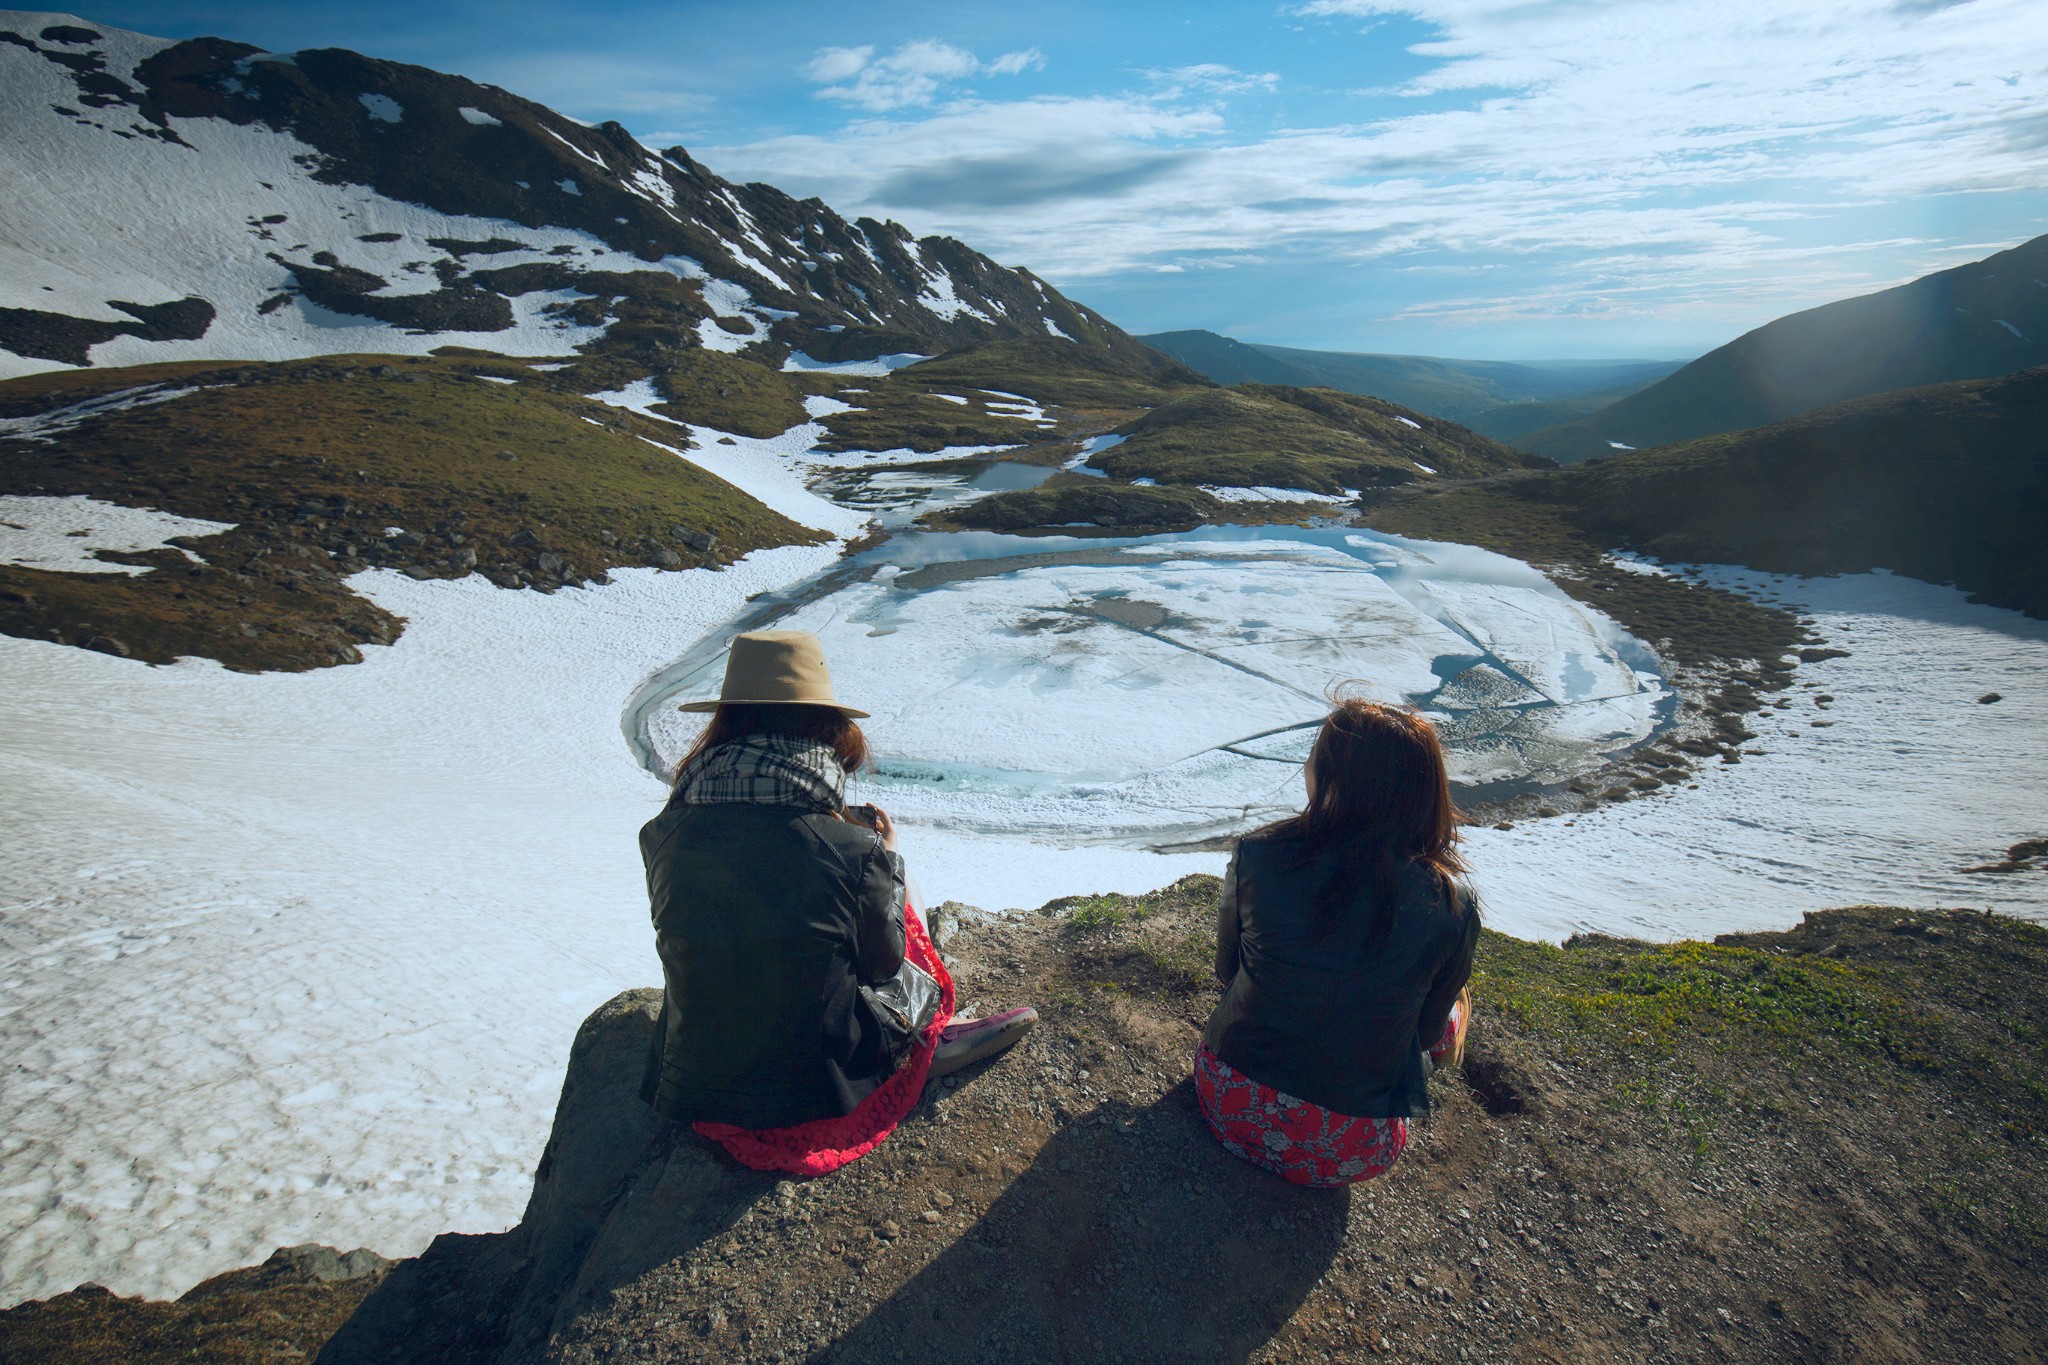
{"points": [[1380, 792], [826, 725]]}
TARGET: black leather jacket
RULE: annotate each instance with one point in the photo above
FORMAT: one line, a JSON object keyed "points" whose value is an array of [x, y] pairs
{"points": [[1332, 1020], [768, 920]]}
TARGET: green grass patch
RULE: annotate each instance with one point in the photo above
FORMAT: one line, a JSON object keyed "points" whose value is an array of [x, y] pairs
{"points": [[313, 461], [1314, 439]]}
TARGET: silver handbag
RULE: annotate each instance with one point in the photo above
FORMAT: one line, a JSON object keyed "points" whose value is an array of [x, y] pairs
{"points": [[908, 1001]]}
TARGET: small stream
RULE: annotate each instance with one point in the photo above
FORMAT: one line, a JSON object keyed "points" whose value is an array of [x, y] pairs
{"points": [[1161, 691]]}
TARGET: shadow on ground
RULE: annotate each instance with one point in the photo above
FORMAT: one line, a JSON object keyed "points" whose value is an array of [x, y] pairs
{"points": [[1132, 1236]]}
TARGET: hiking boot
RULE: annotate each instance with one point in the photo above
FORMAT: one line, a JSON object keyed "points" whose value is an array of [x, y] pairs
{"points": [[967, 1041]]}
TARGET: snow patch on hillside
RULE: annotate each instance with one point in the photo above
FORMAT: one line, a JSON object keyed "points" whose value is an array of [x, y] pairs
{"points": [[864, 369], [62, 534], [1265, 493], [48, 426]]}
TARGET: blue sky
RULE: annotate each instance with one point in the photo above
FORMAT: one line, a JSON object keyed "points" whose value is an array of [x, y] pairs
{"points": [[1484, 178]]}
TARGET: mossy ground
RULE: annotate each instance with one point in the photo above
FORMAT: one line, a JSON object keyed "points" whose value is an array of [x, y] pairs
{"points": [[1314, 439], [313, 461], [235, 1319]]}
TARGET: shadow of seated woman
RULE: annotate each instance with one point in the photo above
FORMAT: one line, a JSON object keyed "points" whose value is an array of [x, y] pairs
{"points": [[1132, 1235]]}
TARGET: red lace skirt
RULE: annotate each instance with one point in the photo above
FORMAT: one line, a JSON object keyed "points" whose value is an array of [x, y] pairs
{"points": [[824, 1145], [1298, 1141]]}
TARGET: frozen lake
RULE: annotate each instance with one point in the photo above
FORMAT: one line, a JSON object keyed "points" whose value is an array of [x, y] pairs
{"points": [[1159, 690]]}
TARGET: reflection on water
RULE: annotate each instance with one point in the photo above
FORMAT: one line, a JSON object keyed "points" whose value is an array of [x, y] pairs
{"points": [[1159, 689]]}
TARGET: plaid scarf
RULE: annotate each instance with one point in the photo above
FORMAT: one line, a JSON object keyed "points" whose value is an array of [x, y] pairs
{"points": [[764, 770]]}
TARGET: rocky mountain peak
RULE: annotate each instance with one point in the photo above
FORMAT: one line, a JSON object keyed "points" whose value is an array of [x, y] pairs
{"points": [[303, 203]]}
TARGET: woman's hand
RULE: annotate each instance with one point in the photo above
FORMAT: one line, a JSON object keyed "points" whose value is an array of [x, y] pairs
{"points": [[881, 824]]}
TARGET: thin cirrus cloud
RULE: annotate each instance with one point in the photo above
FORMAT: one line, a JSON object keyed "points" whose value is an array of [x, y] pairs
{"points": [[910, 76], [1212, 78], [1668, 148]]}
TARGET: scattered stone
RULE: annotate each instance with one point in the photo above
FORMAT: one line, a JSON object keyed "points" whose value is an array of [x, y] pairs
{"points": [[700, 541], [1989, 697]]}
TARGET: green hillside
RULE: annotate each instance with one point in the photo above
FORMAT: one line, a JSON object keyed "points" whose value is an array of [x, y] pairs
{"points": [[1945, 483], [1986, 318]]}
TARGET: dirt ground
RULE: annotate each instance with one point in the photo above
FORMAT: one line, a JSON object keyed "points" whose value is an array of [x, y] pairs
{"points": [[1825, 1144]]}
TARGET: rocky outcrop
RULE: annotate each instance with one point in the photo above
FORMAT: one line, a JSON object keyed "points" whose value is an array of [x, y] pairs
{"points": [[616, 1194], [1810, 1145]]}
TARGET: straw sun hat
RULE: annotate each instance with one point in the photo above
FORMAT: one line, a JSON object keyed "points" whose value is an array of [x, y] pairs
{"points": [[778, 667]]}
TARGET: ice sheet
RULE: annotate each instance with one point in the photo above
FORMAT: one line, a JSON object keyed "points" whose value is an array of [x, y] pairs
{"points": [[1082, 691]]}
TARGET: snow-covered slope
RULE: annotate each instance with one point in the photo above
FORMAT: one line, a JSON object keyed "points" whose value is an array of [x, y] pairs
{"points": [[205, 199]]}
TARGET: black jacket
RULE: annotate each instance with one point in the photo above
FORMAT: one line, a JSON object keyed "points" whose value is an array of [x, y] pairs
{"points": [[1332, 1019], [768, 920]]}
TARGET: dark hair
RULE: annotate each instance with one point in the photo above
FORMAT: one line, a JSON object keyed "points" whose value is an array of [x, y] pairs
{"points": [[827, 725], [1381, 794]]}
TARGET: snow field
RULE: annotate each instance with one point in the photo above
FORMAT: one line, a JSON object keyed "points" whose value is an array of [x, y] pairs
{"points": [[297, 957], [1909, 781]]}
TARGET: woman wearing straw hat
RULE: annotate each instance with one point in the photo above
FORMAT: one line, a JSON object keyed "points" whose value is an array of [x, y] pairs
{"points": [[804, 1006]]}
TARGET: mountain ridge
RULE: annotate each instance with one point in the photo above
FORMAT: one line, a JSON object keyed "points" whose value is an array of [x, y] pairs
{"points": [[1972, 321], [331, 228]]}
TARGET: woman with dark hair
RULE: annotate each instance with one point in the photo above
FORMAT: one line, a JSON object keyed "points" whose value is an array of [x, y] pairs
{"points": [[804, 1007], [1344, 942]]}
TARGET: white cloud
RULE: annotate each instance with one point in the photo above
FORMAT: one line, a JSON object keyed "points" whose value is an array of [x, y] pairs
{"points": [[1673, 148], [838, 63], [1214, 79], [1016, 63], [911, 76]]}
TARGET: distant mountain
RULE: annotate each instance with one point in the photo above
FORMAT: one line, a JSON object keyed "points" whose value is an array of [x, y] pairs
{"points": [[1499, 399], [208, 200], [1944, 483], [1986, 318]]}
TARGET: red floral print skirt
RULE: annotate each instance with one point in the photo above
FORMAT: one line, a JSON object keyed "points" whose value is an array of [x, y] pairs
{"points": [[824, 1145], [1298, 1141]]}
